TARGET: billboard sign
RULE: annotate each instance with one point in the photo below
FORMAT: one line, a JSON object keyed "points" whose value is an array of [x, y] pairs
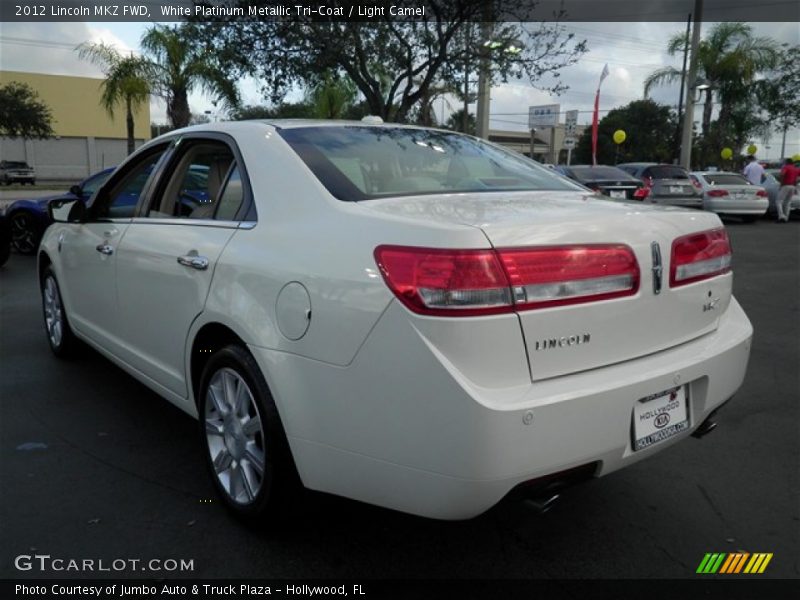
{"points": [[545, 115]]}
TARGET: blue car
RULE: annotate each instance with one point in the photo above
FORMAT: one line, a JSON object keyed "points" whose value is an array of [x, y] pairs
{"points": [[28, 219]]}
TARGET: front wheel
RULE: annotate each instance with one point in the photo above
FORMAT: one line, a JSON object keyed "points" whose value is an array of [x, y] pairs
{"points": [[59, 333], [244, 443]]}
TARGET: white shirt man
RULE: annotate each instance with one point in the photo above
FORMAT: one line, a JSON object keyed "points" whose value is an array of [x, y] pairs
{"points": [[753, 172]]}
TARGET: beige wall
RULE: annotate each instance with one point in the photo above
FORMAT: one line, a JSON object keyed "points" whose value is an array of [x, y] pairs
{"points": [[75, 103]]}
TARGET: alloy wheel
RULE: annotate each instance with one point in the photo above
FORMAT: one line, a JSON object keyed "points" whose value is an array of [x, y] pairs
{"points": [[23, 234], [53, 312]]}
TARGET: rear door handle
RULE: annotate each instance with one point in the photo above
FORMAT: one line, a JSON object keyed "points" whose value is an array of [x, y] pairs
{"points": [[105, 249], [192, 260]]}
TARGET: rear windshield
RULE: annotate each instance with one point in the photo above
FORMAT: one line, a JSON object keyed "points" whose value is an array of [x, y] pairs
{"points": [[362, 163], [666, 172], [12, 164], [725, 179], [597, 173]]}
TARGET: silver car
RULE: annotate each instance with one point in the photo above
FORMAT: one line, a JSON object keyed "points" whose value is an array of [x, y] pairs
{"points": [[730, 194], [668, 184]]}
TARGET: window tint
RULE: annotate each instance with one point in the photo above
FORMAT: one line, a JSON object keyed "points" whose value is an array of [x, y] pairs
{"points": [[726, 179], [91, 185], [231, 197], [596, 173], [197, 177], [359, 163], [666, 172], [122, 198]]}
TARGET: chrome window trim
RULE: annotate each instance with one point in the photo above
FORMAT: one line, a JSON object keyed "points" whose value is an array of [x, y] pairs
{"points": [[185, 221]]}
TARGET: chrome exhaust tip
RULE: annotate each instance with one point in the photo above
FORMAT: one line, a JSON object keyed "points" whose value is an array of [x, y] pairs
{"points": [[705, 428], [541, 504]]}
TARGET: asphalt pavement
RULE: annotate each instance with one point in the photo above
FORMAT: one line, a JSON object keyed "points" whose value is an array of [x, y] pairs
{"points": [[95, 466]]}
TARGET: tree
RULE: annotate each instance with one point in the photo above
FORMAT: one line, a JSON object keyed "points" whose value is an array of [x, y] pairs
{"points": [[125, 81], [332, 97], [778, 93], [22, 112], [177, 65], [728, 58], [283, 110], [648, 127], [392, 63], [456, 122]]}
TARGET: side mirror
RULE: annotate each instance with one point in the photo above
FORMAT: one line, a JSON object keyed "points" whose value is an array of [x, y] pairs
{"points": [[67, 211], [76, 190]]}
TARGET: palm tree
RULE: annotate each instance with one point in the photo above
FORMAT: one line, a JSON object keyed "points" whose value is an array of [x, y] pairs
{"points": [[177, 66], [728, 59], [125, 81], [332, 96]]}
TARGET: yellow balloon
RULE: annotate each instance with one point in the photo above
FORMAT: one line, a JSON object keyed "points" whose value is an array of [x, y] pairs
{"points": [[752, 149], [796, 158], [726, 153], [619, 136]]}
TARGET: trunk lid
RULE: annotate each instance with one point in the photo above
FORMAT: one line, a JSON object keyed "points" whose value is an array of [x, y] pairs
{"points": [[573, 338]]}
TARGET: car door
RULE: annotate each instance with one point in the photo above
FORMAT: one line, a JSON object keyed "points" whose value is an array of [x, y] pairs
{"points": [[167, 257], [89, 252]]}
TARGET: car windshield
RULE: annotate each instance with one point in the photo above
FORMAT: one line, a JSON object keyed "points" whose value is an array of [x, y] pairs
{"points": [[725, 179], [12, 164], [596, 173], [362, 163], [666, 172]]}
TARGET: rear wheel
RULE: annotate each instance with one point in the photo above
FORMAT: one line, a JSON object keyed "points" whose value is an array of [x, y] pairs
{"points": [[59, 333], [243, 440], [25, 233]]}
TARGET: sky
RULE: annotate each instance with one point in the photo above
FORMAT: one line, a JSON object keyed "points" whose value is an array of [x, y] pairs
{"points": [[631, 50]]}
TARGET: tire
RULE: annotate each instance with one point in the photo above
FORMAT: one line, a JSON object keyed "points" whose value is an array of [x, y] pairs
{"points": [[25, 232], [245, 447], [56, 324], [5, 241]]}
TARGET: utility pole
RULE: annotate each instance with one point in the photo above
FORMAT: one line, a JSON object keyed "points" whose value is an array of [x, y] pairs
{"points": [[677, 143], [484, 77], [688, 117]]}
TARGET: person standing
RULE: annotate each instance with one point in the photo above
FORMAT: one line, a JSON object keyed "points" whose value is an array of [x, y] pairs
{"points": [[754, 172], [788, 176]]}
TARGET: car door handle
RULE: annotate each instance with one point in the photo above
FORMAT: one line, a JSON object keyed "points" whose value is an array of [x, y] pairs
{"points": [[105, 249], [196, 262]]}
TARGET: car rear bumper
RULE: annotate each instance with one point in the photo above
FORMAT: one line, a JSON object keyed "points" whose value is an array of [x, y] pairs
{"points": [[686, 201], [737, 207], [400, 427]]}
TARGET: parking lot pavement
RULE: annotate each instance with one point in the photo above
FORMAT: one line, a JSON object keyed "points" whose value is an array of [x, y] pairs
{"points": [[94, 465]]}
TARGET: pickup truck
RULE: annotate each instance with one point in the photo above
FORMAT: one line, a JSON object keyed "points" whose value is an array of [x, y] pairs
{"points": [[16, 170]]}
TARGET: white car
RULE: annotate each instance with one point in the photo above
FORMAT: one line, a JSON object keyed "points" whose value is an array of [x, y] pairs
{"points": [[409, 317], [731, 194]]}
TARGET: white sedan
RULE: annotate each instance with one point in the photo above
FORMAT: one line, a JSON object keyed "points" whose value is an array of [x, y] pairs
{"points": [[731, 194], [409, 317]]}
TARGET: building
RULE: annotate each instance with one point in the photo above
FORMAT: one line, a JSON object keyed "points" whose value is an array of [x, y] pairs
{"points": [[548, 146], [86, 138]]}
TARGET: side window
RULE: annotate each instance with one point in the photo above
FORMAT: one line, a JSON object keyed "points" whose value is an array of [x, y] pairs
{"points": [[120, 201], [231, 197], [194, 188]]}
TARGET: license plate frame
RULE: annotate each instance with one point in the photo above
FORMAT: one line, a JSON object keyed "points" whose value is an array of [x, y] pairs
{"points": [[659, 417], [676, 189], [617, 193]]}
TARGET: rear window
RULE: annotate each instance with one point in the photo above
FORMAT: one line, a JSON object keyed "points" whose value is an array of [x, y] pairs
{"points": [[666, 172], [597, 173], [12, 164], [725, 179], [361, 163]]}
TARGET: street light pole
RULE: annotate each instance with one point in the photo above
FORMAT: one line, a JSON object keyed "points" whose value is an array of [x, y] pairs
{"points": [[688, 115], [484, 85]]}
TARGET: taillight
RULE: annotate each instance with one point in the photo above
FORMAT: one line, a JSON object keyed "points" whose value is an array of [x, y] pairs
{"points": [[717, 193], [762, 194], [641, 193], [480, 282], [699, 256]]}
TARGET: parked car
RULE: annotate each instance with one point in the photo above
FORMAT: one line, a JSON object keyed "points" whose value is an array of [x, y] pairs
{"points": [[5, 239], [12, 171], [731, 194], [405, 316], [668, 184], [609, 181], [773, 186], [28, 218]]}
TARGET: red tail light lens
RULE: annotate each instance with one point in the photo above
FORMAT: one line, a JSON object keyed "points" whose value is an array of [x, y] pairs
{"points": [[717, 193], [480, 282], [699, 256], [641, 193], [762, 194]]}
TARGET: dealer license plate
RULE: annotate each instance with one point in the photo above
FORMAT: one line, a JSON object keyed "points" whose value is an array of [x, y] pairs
{"points": [[659, 417], [676, 189], [616, 193]]}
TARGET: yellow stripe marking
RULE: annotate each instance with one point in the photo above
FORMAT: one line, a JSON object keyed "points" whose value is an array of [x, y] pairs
{"points": [[765, 563], [751, 563]]}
